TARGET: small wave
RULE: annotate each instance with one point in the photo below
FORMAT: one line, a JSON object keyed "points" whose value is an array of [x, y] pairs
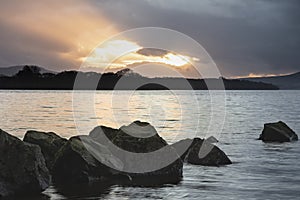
{"points": [[172, 120], [48, 107]]}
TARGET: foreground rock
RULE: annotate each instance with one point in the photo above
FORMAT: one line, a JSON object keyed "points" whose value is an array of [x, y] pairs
{"points": [[75, 164], [49, 143], [278, 132], [22, 167], [133, 155], [201, 152], [147, 157]]}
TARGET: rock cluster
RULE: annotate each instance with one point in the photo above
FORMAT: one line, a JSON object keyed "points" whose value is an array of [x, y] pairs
{"points": [[132, 155], [117, 155]]}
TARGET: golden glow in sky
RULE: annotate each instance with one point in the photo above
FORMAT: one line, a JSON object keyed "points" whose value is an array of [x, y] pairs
{"points": [[67, 38], [124, 53], [253, 75], [65, 31]]}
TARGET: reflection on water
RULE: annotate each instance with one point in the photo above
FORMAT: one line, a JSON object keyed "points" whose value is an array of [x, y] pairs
{"points": [[260, 171]]}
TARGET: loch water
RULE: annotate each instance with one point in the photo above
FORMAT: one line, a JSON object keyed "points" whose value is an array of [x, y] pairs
{"points": [[235, 118]]}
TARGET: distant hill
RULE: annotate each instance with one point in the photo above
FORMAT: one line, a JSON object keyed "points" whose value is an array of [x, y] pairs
{"points": [[287, 82], [10, 71], [32, 78]]}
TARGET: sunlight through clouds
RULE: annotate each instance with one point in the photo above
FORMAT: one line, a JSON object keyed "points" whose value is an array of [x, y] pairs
{"points": [[124, 53]]}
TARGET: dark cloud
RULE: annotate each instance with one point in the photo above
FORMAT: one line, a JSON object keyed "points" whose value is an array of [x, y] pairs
{"points": [[152, 52], [243, 37], [30, 48]]}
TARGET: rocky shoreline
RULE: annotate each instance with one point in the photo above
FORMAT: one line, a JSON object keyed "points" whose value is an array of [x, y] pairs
{"points": [[133, 155]]}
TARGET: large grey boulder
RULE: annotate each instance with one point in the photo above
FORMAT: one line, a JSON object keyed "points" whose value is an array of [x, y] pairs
{"points": [[133, 155], [278, 132], [76, 164], [49, 142], [98, 132], [138, 137], [147, 157], [201, 152], [22, 167]]}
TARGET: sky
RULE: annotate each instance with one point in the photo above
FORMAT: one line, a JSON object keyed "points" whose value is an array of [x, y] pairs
{"points": [[244, 38]]}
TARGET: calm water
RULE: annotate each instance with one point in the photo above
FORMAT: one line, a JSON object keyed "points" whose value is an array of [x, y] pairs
{"points": [[260, 171]]}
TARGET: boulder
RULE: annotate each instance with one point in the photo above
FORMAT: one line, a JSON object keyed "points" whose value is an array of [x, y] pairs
{"points": [[201, 152], [139, 137], [22, 167], [132, 155], [98, 132], [278, 132], [76, 164], [182, 148], [207, 154], [147, 157], [212, 139], [49, 143]]}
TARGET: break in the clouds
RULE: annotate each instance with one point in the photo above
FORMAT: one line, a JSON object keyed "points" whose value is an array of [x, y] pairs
{"points": [[114, 55], [243, 37]]}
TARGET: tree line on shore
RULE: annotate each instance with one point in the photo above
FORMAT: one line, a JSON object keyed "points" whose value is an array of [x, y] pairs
{"points": [[31, 78]]}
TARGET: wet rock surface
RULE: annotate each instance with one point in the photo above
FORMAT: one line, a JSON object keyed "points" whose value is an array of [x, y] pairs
{"points": [[201, 152], [22, 167], [278, 132], [75, 164], [49, 142], [132, 155]]}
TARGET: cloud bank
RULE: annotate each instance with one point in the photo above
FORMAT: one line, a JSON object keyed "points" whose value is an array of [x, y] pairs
{"points": [[243, 37]]}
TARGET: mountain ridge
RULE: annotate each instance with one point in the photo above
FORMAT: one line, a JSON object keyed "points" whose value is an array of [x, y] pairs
{"points": [[12, 70], [284, 82]]}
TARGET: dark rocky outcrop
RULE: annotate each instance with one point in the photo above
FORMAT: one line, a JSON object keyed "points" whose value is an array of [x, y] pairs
{"points": [[133, 155], [49, 143], [207, 154], [146, 157], [22, 167], [139, 137], [150, 155], [75, 164], [98, 133], [212, 139], [201, 152], [278, 132]]}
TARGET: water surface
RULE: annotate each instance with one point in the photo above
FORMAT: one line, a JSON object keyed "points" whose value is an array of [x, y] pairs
{"points": [[260, 171]]}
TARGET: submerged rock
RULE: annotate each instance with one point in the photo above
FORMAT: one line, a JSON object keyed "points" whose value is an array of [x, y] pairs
{"points": [[132, 155], [278, 132], [49, 143], [22, 167], [201, 152]]}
